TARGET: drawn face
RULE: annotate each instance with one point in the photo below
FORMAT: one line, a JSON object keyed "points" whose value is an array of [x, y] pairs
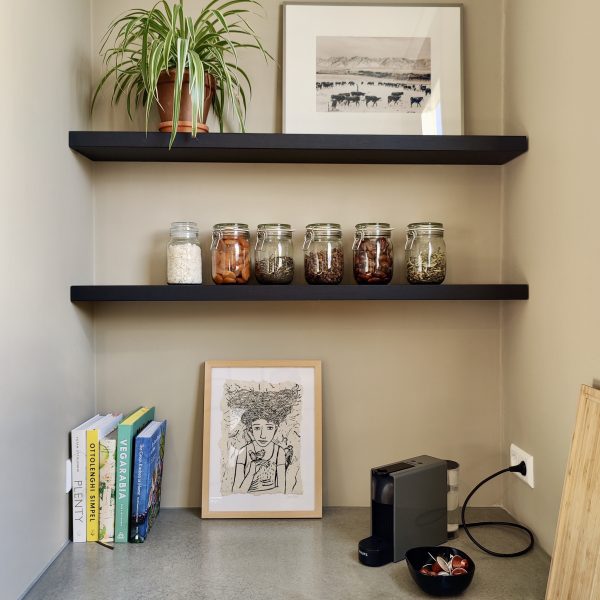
{"points": [[263, 431]]}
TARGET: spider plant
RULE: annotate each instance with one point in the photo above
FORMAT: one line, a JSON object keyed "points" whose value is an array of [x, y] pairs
{"points": [[148, 42]]}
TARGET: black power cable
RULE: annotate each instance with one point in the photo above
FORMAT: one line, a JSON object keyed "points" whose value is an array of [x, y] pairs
{"points": [[520, 468]]}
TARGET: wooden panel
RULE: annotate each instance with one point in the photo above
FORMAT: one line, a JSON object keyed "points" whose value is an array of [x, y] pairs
{"points": [[574, 572]]}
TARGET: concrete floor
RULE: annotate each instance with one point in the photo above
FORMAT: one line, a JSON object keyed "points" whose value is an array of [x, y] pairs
{"points": [[185, 557]]}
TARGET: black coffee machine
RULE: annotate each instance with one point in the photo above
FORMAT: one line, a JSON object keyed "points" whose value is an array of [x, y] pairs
{"points": [[408, 509]]}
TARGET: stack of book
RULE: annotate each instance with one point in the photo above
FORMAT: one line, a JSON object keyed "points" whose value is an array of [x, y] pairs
{"points": [[117, 474]]}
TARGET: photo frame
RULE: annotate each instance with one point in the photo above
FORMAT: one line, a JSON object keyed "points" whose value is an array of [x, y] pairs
{"points": [[262, 447], [378, 69]]}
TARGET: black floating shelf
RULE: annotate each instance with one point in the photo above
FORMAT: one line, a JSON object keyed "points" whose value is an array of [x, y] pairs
{"points": [[219, 293], [298, 148]]}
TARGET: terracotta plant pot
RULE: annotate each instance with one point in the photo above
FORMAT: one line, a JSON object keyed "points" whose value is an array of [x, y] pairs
{"points": [[164, 88]]}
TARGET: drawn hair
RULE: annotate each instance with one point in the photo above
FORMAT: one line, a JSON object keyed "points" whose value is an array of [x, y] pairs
{"points": [[271, 403]]}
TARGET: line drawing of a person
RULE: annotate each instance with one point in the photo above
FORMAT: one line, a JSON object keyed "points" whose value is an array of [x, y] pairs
{"points": [[261, 464]]}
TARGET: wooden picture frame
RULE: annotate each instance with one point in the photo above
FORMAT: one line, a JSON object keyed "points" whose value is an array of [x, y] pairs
{"points": [[262, 446], [372, 69]]}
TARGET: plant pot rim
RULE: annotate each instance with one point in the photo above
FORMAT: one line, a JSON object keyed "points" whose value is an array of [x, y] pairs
{"points": [[168, 76], [182, 127]]}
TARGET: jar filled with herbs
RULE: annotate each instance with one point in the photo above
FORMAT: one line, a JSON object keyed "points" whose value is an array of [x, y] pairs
{"points": [[230, 250], [425, 253], [323, 254], [184, 258], [274, 254], [373, 253]]}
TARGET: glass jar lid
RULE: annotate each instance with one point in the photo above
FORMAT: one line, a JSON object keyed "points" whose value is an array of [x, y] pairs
{"points": [[426, 227], [377, 229], [324, 228], [231, 227], [274, 229], [184, 229]]}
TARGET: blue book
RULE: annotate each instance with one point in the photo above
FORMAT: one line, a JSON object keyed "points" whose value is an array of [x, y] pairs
{"points": [[147, 479]]}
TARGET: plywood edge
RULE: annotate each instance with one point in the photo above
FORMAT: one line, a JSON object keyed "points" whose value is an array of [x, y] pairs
{"points": [[588, 397]]}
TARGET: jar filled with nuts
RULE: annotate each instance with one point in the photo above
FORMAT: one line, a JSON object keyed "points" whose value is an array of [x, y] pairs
{"points": [[373, 253], [230, 251], [184, 260], [425, 253], [274, 254], [323, 254]]}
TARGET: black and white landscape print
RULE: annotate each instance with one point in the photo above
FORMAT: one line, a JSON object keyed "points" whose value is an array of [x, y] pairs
{"points": [[373, 74]]}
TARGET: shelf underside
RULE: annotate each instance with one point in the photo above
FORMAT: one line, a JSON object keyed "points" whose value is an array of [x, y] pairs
{"points": [[220, 293], [298, 148]]}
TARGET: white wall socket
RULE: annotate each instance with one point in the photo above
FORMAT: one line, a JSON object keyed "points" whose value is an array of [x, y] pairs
{"points": [[516, 456]]}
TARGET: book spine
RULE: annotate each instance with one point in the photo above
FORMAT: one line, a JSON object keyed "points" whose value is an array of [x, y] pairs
{"points": [[155, 478], [139, 499], [106, 530], [124, 441], [78, 477], [92, 485], [125, 448]]}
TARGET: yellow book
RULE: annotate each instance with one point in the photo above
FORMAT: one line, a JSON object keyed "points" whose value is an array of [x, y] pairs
{"points": [[92, 486], [93, 436]]}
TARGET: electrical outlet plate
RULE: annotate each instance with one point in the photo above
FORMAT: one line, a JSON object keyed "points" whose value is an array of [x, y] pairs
{"points": [[516, 456]]}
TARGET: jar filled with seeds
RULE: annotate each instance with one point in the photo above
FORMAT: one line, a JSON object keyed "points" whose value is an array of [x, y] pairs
{"points": [[373, 253], [230, 251], [425, 253], [274, 254], [323, 254], [184, 258]]}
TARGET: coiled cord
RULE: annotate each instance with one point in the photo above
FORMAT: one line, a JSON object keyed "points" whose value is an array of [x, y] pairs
{"points": [[520, 468]]}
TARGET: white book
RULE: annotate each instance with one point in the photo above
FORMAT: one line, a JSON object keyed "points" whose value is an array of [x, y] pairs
{"points": [[78, 477]]}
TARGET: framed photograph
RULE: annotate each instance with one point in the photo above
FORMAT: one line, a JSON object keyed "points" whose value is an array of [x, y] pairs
{"points": [[378, 69], [262, 439]]}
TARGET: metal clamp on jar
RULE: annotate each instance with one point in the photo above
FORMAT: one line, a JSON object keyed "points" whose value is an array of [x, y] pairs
{"points": [[323, 254], [230, 250], [425, 253], [274, 254], [373, 253]]}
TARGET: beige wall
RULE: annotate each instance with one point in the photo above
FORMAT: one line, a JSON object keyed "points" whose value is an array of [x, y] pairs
{"points": [[550, 240], [400, 379], [47, 381]]}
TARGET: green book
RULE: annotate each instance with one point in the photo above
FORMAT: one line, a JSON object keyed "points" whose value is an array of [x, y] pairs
{"points": [[126, 433]]}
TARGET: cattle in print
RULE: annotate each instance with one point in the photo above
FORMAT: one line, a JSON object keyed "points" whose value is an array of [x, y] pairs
{"points": [[373, 74]]}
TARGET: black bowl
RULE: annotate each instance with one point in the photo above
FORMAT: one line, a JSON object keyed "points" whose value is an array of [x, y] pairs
{"points": [[438, 585]]}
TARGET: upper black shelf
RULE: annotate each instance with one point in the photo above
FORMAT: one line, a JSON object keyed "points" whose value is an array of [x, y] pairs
{"points": [[299, 148], [220, 293]]}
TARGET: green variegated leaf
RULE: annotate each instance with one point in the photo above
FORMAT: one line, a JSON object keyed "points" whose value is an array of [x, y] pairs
{"points": [[140, 44]]}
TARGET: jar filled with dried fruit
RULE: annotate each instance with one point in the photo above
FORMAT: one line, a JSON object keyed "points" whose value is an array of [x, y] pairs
{"points": [[184, 259], [274, 254], [373, 253], [425, 253], [230, 250], [323, 254]]}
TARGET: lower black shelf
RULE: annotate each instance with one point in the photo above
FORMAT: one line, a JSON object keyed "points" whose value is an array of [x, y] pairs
{"points": [[219, 293]]}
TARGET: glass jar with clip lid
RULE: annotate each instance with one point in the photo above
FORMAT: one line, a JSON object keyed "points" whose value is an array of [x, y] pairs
{"points": [[373, 253], [274, 254], [323, 254], [230, 252], [184, 258], [425, 253]]}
